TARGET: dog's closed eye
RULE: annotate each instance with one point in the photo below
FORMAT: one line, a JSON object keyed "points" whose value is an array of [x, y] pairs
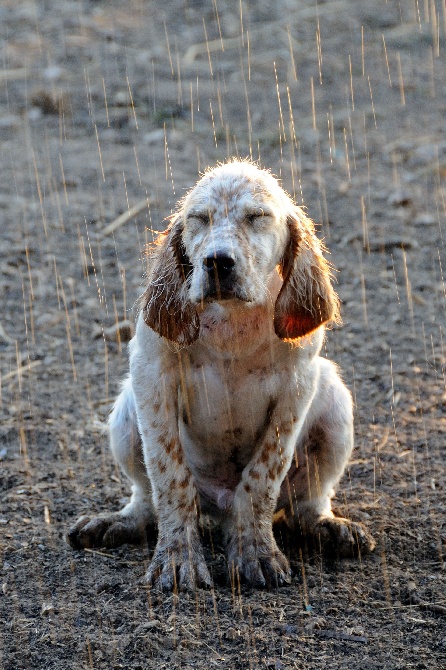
{"points": [[252, 215], [203, 217]]}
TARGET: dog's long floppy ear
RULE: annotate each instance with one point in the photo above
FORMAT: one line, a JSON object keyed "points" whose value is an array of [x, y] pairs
{"points": [[164, 303], [307, 298]]}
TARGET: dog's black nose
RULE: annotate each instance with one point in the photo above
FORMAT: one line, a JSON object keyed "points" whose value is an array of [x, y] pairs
{"points": [[219, 264]]}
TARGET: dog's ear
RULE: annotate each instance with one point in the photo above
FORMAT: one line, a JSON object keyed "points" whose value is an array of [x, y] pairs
{"points": [[307, 298], [164, 304]]}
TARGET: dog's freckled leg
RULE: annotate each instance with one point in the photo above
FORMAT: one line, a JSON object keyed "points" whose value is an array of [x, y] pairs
{"points": [[178, 560], [252, 548]]}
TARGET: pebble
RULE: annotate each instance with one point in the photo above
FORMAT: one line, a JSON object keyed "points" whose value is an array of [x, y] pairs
{"points": [[316, 624], [47, 608], [10, 121], [401, 197], [52, 72], [424, 219], [392, 243], [153, 624]]}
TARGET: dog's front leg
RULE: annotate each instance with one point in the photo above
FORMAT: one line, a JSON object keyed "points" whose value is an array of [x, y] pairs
{"points": [[178, 560], [253, 553]]}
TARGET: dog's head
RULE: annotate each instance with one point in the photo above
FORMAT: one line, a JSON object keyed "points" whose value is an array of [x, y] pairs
{"points": [[232, 233]]}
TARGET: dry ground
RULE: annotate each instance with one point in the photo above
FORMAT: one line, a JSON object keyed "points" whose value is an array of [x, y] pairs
{"points": [[105, 104]]}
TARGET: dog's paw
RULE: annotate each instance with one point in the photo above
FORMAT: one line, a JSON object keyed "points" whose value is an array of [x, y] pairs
{"points": [[178, 565], [108, 531], [341, 537], [260, 565]]}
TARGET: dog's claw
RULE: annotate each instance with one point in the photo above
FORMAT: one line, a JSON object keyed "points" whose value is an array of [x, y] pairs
{"points": [[178, 565], [259, 566], [105, 531], [342, 537]]}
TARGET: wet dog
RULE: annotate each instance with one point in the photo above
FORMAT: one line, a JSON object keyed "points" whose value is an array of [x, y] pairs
{"points": [[228, 407]]}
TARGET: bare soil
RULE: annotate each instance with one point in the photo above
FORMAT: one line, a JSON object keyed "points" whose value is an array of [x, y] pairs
{"points": [[105, 104]]}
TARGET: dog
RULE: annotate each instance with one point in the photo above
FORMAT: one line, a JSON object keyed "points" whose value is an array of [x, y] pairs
{"points": [[229, 409]]}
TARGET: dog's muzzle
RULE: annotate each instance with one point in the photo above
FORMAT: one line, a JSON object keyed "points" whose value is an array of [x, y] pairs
{"points": [[221, 276]]}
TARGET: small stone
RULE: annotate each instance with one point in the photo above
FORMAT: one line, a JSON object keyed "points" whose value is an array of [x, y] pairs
{"points": [[45, 101], [424, 219], [34, 114], [10, 121], [121, 98], [52, 72], [316, 624], [401, 197], [231, 634], [170, 642], [290, 629], [47, 609], [393, 243], [154, 137], [344, 187], [153, 624]]}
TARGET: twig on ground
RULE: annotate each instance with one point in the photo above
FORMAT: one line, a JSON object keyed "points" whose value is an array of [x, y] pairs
{"points": [[115, 558], [125, 217], [15, 73], [211, 46], [339, 635], [19, 371], [432, 607]]}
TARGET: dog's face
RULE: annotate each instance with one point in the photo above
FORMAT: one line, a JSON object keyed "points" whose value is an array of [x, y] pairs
{"points": [[232, 233]]}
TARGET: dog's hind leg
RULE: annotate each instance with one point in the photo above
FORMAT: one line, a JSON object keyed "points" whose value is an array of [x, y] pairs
{"points": [[131, 522], [320, 460]]}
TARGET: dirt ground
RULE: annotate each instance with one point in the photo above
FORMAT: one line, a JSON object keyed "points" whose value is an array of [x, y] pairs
{"points": [[106, 104]]}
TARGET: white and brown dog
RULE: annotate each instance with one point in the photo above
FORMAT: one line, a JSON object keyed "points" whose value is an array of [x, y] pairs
{"points": [[228, 407]]}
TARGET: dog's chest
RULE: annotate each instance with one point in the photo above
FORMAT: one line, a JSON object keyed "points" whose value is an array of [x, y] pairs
{"points": [[224, 408]]}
